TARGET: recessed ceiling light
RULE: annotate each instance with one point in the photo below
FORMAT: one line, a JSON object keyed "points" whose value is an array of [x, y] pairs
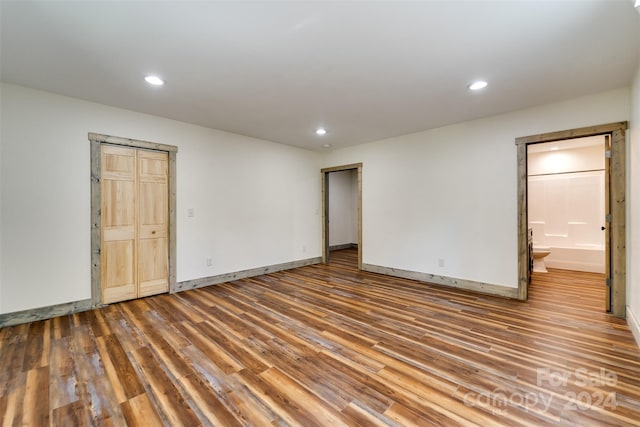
{"points": [[326, 145], [154, 80], [321, 131], [478, 85]]}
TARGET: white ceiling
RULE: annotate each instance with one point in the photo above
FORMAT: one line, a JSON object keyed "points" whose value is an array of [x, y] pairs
{"points": [[277, 70]]}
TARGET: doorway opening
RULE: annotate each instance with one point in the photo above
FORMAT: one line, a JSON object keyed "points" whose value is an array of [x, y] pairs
{"points": [[342, 198], [567, 202], [607, 237]]}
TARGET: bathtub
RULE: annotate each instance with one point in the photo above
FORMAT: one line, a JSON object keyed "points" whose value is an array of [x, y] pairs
{"points": [[590, 258]]}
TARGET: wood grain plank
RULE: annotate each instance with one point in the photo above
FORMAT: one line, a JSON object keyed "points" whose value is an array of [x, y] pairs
{"points": [[205, 399], [124, 370], [323, 345], [111, 371], [97, 394], [140, 412], [62, 379], [36, 409], [360, 415], [12, 401], [33, 354], [174, 407], [71, 414]]}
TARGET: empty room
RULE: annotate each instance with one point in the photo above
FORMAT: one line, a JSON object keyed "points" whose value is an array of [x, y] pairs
{"points": [[296, 213]]}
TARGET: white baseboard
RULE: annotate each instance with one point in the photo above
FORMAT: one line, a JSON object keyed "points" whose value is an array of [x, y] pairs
{"points": [[633, 320]]}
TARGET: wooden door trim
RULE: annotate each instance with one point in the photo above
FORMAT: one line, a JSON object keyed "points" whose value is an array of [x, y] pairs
{"points": [[325, 208], [617, 200], [96, 140], [607, 224]]}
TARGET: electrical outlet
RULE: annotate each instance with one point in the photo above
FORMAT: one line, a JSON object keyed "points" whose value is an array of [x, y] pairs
{"points": [[304, 248], [440, 262], [209, 262]]}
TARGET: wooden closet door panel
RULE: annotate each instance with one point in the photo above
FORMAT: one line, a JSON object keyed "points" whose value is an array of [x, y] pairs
{"points": [[153, 165], [118, 163], [153, 202], [153, 271], [118, 209], [119, 217], [153, 223], [119, 278]]}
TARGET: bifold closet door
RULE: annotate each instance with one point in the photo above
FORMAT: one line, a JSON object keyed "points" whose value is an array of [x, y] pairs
{"points": [[153, 203], [134, 223]]}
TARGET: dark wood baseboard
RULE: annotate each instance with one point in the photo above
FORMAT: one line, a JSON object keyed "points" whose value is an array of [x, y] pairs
{"points": [[48, 312], [42, 313], [227, 277], [343, 246], [469, 285]]}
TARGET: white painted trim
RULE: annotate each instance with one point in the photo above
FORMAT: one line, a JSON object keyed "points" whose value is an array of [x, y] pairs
{"points": [[469, 285], [633, 320], [227, 277]]}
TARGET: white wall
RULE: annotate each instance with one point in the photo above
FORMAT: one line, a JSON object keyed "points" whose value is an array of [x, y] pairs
{"points": [[354, 206], [633, 214], [343, 213], [1, 174], [445, 193], [450, 193], [256, 203]]}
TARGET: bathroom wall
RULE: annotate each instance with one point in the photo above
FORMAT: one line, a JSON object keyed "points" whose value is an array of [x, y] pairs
{"points": [[566, 204]]}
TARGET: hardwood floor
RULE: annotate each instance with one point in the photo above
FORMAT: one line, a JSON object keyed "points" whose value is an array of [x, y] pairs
{"points": [[329, 345]]}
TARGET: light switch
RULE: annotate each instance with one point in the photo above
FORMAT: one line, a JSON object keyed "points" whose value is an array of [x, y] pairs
{"points": [[191, 212]]}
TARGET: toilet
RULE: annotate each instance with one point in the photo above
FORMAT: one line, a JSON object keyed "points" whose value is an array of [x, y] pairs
{"points": [[538, 254]]}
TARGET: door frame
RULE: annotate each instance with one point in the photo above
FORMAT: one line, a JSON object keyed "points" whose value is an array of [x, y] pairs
{"points": [[617, 195], [96, 140], [325, 209]]}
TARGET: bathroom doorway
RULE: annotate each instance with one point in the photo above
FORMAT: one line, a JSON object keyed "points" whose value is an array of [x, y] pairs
{"points": [[586, 222], [342, 209], [567, 206]]}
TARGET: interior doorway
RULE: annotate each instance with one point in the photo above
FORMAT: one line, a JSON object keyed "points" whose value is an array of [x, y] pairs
{"points": [[567, 207], [615, 186], [344, 172], [133, 245]]}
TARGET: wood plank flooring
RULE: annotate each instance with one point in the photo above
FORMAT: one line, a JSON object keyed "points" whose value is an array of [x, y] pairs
{"points": [[329, 345]]}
